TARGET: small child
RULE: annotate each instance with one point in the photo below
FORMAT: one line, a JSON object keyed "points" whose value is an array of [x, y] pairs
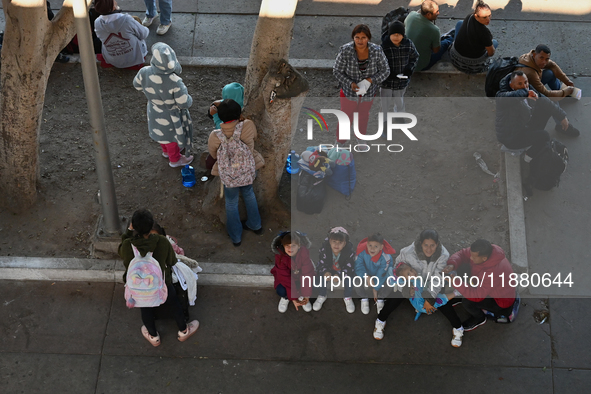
{"points": [[138, 235], [336, 258], [402, 58], [233, 91], [169, 122], [374, 265], [293, 270]]}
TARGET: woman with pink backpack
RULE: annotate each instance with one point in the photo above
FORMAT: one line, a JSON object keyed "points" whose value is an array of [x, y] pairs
{"points": [[237, 161]]}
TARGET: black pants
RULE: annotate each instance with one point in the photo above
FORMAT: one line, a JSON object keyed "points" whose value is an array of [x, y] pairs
{"points": [[475, 308], [447, 310], [172, 301]]}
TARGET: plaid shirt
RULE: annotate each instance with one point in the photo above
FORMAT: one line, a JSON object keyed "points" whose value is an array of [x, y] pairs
{"points": [[346, 69], [400, 58]]}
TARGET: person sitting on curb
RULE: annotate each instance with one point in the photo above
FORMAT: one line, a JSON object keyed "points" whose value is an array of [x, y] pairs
{"points": [[488, 264], [474, 43], [522, 114], [541, 70], [421, 30], [139, 235]]}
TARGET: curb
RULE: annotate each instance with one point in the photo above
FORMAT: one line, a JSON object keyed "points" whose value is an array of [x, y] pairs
{"points": [[516, 213], [111, 271]]}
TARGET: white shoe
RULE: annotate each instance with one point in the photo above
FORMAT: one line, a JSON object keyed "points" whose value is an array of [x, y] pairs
{"points": [[365, 306], [380, 305], [350, 305], [318, 303], [283, 304], [183, 161], [307, 307], [163, 29], [191, 328], [378, 331], [456, 341], [147, 21]]}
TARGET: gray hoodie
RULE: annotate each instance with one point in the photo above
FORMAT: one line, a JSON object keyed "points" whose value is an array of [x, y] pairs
{"points": [[122, 38], [168, 100]]}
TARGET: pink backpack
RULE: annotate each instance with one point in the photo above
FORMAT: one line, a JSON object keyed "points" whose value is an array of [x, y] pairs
{"points": [[144, 286], [235, 161]]}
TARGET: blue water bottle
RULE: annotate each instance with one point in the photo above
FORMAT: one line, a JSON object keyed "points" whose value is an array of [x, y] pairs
{"points": [[188, 174], [292, 163]]}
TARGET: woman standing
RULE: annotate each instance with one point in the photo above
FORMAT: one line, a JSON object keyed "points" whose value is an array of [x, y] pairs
{"points": [[360, 68]]}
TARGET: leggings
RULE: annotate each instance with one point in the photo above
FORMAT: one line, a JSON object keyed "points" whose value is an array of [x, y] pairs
{"points": [[174, 304], [447, 310]]}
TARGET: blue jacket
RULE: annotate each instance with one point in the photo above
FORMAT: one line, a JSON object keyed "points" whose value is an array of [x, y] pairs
{"points": [[382, 269]]}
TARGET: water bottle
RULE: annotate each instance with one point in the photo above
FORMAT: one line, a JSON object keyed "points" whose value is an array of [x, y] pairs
{"points": [[292, 163], [188, 174]]}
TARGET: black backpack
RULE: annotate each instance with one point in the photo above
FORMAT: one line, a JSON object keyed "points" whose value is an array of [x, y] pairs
{"points": [[311, 193], [399, 14], [498, 70], [546, 167]]}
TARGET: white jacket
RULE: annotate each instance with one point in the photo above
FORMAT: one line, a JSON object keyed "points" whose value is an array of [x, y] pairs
{"points": [[123, 39], [418, 261]]}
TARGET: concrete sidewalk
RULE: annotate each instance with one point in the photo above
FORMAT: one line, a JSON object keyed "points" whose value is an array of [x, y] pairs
{"points": [[79, 337]]}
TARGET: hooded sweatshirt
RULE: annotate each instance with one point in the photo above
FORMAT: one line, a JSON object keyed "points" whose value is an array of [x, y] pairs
{"points": [[534, 74], [160, 247], [382, 267], [122, 38], [493, 276], [168, 100], [289, 271], [233, 91]]}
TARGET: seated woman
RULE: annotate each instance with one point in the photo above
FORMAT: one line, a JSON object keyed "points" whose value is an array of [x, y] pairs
{"points": [[123, 37]]}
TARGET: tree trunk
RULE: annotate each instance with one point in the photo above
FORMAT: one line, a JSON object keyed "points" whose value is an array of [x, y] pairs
{"points": [[31, 44]]}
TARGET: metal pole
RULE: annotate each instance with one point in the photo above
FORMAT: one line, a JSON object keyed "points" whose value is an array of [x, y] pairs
{"points": [[97, 120]]}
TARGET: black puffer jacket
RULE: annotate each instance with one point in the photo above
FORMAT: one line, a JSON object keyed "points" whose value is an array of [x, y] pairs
{"points": [[513, 113]]}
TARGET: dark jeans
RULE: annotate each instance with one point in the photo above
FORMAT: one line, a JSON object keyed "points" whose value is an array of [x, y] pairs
{"points": [[281, 291], [549, 78], [475, 308], [447, 310], [172, 301], [446, 42]]}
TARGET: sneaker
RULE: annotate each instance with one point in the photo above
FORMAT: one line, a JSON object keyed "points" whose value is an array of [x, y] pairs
{"points": [[350, 305], [147, 21], [473, 322], [191, 329], [456, 340], [165, 155], [183, 161], [237, 244], [318, 303], [380, 305], [155, 341], [283, 304], [307, 307], [571, 131], [378, 331], [455, 301], [260, 231], [527, 158], [163, 29], [365, 306]]}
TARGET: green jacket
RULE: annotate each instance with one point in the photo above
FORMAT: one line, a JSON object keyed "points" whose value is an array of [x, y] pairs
{"points": [[157, 244]]}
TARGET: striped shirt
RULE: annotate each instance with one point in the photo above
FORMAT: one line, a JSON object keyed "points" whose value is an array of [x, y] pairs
{"points": [[346, 69]]}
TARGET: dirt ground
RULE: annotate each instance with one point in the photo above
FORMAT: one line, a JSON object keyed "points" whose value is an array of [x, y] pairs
{"points": [[434, 183]]}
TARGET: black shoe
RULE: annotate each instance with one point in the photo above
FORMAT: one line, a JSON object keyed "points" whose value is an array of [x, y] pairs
{"points": [[237, 244], [473, 322], [571, 131], [61, 58], [260, 231]]}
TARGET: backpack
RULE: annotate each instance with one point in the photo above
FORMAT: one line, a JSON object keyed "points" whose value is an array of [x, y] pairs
{"points": [[498, 70], [144, 286], [311, 193], [399, 14], [546, 167], [235, 160]]}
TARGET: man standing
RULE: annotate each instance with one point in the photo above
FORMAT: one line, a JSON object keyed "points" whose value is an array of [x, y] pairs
{"points": [[493, 293], [473, 44], [541, 70], [165, 15], [421, 30], [522, 114]]}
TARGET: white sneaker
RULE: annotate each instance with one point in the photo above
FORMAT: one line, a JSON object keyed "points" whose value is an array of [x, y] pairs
{"points": [[380, 305], [191, 328], [183, 161], [365, 306], [147, 21], [307, 307], [456, 341], [318, 303], [283, 304], [163, 29], [350, 305], [378, 331]]}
